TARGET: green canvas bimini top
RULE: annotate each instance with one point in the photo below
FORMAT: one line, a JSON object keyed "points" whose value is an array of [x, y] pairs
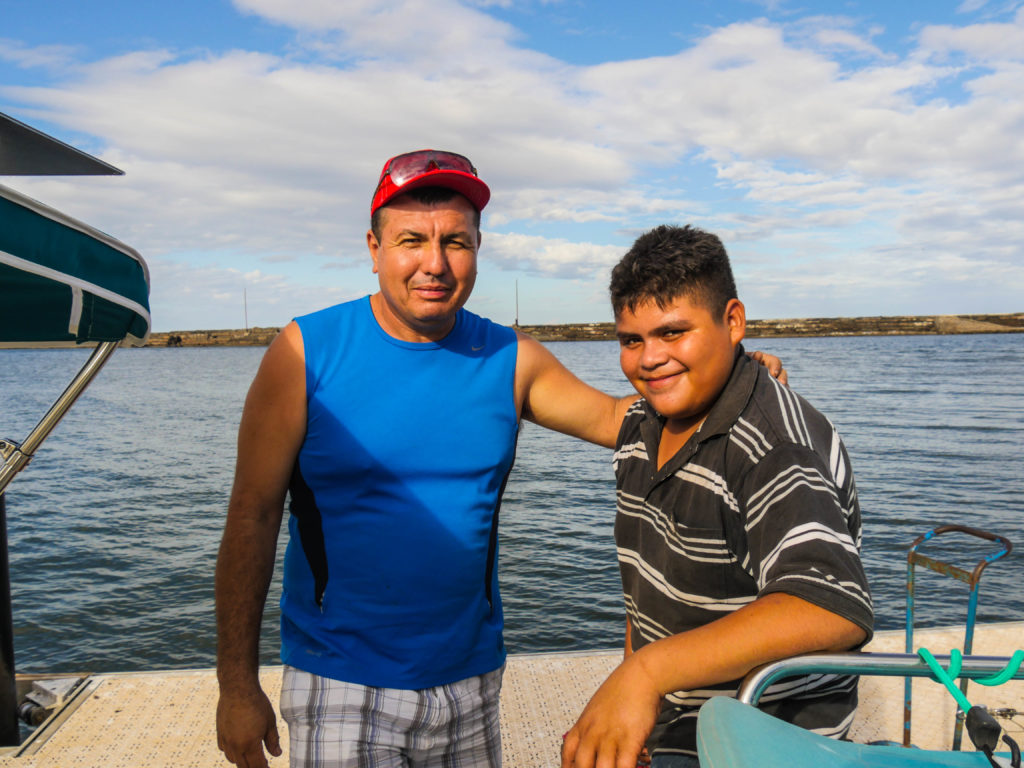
{"points": [[64, 283]]}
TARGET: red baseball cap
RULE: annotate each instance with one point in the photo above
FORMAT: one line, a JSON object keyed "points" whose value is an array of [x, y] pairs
{"points": [[430, 168]]}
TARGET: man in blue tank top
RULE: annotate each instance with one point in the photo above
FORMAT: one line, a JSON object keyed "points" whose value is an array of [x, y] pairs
{"points": [[391, 423]]}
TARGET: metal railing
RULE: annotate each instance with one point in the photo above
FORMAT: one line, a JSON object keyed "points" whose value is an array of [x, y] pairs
{"points": [[880, 664]]}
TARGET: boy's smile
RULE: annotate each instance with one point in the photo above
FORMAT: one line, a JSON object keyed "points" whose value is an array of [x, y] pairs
{"points": [[679, 357]]}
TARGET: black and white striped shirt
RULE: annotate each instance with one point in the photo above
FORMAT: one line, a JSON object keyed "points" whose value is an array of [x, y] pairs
{"points": [[762, 499]]}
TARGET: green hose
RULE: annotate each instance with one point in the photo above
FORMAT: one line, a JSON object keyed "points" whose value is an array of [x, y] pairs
{"points": [[946, 677], [981, 726]]}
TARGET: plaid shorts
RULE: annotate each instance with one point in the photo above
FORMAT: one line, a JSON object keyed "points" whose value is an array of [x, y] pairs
{"points": [[332, 724]]}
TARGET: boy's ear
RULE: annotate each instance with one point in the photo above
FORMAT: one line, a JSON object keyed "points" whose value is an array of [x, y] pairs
{"points": [[736, 320]]}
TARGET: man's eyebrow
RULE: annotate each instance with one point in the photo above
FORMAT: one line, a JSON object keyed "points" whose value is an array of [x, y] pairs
{"points": [[408, 232]]}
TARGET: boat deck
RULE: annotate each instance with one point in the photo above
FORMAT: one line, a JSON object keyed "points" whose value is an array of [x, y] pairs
{"points": [[154, 719]]}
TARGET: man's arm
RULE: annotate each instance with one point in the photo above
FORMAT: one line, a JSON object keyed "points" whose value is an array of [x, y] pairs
{"points": [[614, 725], [271, 432], [548, 394]]}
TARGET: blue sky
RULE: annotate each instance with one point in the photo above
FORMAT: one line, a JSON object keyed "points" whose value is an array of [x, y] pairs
{"points": [[857, 158]]}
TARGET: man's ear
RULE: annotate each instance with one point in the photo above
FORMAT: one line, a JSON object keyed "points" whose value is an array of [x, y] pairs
{"points": [[736, 319], [374, 247]]}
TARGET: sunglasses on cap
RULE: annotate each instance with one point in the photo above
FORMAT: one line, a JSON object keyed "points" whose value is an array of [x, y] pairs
{"points": [[429, 167], [405, 168]]}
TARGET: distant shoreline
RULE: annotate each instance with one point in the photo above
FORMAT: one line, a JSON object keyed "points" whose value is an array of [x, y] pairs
{"points": [[904, 325]]}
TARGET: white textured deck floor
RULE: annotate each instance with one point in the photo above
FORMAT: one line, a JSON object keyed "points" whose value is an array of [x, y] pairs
{"points": [[157, 719]]}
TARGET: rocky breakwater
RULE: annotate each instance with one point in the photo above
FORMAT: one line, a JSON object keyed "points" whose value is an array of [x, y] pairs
{"points": [[908, 325], [250, 337], [822, 326]]}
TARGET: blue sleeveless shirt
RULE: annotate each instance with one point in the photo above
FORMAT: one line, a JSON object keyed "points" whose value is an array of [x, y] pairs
{"points": [[390, 575]]}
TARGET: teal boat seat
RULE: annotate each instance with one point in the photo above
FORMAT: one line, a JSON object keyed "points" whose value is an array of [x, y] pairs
{"points": [[731, 734]]}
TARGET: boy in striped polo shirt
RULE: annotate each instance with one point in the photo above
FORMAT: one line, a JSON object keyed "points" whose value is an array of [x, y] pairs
{"points": [[738, 527]]}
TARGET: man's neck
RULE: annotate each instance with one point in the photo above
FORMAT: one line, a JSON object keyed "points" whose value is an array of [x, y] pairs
{"points": [[397, 329]]}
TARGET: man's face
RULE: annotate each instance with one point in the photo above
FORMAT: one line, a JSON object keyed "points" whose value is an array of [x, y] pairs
{"points": [[679, 358], [425, 261]]}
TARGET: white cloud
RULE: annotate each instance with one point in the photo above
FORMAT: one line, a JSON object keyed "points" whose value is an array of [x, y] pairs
{"points": [[51, 57], [550, 257], [990, 42], [226, 298], [838, 39], [764, 132], [441, 34]]}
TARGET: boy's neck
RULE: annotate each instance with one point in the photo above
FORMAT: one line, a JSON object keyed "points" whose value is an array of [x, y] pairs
{"points": [[675, 434]]}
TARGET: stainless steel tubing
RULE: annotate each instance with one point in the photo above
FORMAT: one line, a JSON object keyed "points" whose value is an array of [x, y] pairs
{"points": [[16, 456], [882, 664]]}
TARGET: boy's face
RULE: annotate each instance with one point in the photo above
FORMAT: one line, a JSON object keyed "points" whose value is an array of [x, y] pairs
{"points": [[680, 357]]}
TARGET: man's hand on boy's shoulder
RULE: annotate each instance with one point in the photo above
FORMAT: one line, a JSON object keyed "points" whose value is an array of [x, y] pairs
{"points": [[772, 363], [615, 724]]}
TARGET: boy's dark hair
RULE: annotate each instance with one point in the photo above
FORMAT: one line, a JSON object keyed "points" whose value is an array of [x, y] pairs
{"points": [[425, 195], [669, 262]]}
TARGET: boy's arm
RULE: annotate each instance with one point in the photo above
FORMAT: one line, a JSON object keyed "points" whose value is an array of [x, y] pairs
{"points": [[614, 725]]}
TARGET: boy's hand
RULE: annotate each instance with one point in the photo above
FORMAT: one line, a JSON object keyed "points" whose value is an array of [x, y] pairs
{"points": [[615, 724]]}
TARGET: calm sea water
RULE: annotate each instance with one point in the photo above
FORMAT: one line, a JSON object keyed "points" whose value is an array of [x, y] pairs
{"points": [[114, 527]]}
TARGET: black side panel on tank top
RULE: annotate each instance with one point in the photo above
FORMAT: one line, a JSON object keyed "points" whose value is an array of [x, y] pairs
{"points": [[492, 546], [311, 530]]}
